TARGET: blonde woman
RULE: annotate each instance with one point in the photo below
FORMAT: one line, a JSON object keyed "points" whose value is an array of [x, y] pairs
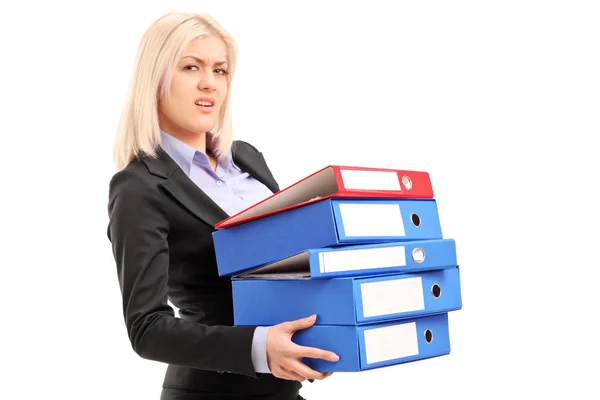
{"points": [[179, 173]]}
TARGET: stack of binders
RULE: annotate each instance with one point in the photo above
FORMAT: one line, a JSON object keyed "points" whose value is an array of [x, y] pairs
{"points": [[362, 248]]}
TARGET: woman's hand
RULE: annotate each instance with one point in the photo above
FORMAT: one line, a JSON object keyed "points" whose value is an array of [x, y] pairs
{"points": [[284, 357]]}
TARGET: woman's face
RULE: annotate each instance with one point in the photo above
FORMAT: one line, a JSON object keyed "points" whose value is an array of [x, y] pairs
{"points": [[198, 87]]}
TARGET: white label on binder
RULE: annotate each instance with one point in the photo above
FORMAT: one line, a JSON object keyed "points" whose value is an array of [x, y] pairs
{"points": [[372, 219], [370, 180], [392, 296], [352, 260], [391, 342]]}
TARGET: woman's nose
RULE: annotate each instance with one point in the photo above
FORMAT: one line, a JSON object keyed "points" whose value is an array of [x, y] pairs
{"points": [[207, 82]]}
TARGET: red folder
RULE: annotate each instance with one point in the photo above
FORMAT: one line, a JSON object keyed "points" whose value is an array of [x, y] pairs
{"points": [[339, 181]]}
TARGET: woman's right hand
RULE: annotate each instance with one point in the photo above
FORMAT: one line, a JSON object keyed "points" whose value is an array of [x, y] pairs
{"points": [[284, 357]]}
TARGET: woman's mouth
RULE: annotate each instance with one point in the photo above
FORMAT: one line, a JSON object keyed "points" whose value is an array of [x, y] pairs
{"points": [[206, 104]]}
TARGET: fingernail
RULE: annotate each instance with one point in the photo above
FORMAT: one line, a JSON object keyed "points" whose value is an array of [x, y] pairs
{"points": [[312, 317]]}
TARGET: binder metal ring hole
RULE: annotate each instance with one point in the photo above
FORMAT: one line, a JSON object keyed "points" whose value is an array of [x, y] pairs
{"points": [[416, 220], [436, 290], [428, 336], [407, 182], [418, 255]]}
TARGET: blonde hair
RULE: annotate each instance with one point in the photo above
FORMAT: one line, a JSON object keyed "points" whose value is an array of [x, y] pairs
{"points": [[160, 48]]}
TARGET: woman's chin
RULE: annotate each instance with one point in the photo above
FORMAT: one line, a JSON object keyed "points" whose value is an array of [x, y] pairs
{"points": [[204, 125]]}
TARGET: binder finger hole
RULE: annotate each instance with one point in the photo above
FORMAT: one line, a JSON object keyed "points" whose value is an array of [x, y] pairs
{"points": [[416, 220], [436, 290], [418, 255], [428, 336], [407, 182]]}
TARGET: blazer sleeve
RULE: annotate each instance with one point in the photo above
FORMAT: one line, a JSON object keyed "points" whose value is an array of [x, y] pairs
{"points": [[138, 231]]}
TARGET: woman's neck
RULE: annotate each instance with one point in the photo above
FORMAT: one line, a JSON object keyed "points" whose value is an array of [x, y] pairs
{"points": [[195, 140]]}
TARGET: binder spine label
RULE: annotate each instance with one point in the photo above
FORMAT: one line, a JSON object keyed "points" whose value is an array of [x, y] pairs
{"points": [[392, 296], [370, 180], [362, 259], [391, 342], [363, 219]]}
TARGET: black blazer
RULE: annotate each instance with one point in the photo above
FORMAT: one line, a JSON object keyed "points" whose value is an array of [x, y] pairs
{"points": [[161, 228]]}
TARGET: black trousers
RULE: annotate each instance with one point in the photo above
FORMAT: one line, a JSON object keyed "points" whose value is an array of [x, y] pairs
{"points": [[178, 394]]}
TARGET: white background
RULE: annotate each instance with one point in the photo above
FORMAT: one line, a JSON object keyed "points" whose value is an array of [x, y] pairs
{"points": [[498, 101]]}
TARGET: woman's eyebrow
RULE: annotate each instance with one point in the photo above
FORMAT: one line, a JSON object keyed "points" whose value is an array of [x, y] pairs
{"points": [[198, 59]]}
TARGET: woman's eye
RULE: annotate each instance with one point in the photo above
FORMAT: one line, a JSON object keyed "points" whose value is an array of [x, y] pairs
{"points": [[191, 67], [221, 71]]}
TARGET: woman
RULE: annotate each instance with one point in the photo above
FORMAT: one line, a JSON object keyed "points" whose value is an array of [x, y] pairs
{"points": [[179, 173]]}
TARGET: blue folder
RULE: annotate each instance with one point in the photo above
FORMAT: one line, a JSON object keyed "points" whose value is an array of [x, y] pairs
{"points": [[348, 300], [360, 260], [377, 345], [326, 223]]}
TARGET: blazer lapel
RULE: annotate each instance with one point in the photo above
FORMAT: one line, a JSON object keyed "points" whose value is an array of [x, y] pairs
{"points": [[253, 162], [190, 196], [193, 198], [186, 192]]}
